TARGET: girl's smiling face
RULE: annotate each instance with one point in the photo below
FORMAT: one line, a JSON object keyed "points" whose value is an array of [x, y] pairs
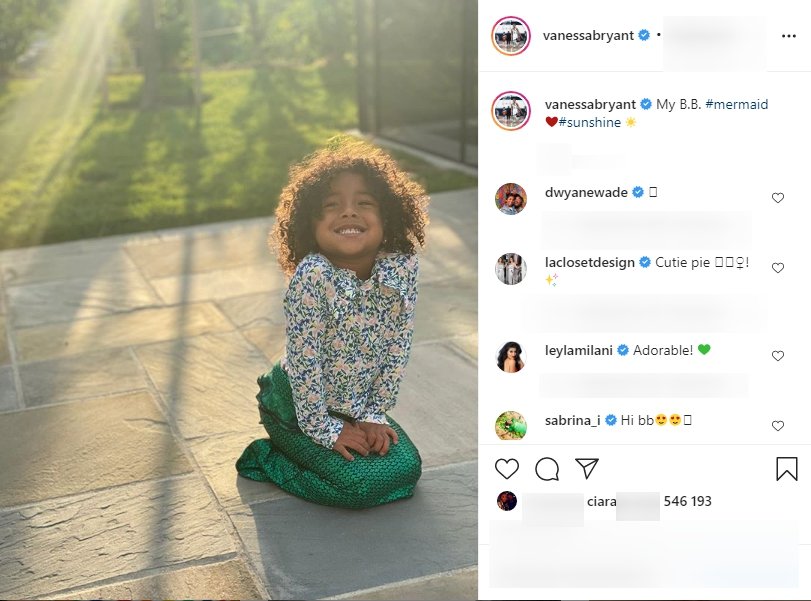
{"points": [[349, 229]]}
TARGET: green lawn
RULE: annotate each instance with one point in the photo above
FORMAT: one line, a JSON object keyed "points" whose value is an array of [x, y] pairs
{"points": [[125, 170]]}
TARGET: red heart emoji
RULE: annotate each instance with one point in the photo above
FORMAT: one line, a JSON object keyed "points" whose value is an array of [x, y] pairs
{"points": [[552, 121]]}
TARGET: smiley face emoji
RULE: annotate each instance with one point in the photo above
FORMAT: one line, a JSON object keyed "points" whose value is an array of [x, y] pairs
{"points": [[675, 419], [661, 419]]}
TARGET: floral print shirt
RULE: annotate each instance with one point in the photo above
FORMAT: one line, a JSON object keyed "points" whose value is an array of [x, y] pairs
{"points": [[348, 340]]}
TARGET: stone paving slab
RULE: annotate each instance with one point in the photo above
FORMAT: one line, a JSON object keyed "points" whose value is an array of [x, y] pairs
{"points": [[79, 298], [204, 250], [450, 252], [73, 448], [73, 542], [112, 244], [208, 382], [8, 393], [255, 310], [82, 376], [114, 331], [462, 584], [308, 551], [227, 580], [216, 456], [437, 404], [225, 283], [458, 209], [74, 248], [469, 345], [439, 269], [271, 340], [48, 266], [446, 309], [5, 355]]}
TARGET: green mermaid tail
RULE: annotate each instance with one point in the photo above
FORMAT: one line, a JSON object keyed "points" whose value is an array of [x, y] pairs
{"points": [[295, 463]]}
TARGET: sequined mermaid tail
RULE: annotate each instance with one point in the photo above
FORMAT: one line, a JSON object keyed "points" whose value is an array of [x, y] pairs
{"points": [[295, 463]]}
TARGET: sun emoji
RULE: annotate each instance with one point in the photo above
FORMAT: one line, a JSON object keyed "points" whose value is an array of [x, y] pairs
{"points": [[630, 122]]}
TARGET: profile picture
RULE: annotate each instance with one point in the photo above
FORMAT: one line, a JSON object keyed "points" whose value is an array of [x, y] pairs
{"points": [[509, 358], [506, 500], [511, 110], [511, 269], [511, 199], [511, 425], [511, 35]]}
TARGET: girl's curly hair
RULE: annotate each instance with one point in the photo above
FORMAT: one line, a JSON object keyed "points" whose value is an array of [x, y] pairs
{"points": [[403, 202]]}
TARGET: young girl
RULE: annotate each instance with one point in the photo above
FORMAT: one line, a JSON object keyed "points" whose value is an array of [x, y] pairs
{"points": [[347, 227]]}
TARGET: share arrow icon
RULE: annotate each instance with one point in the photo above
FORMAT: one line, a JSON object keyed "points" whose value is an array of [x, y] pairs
{"points": [[587, 465]]}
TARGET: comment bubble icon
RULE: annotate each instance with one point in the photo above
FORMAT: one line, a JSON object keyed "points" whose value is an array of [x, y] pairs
{"points": [[547, 469]]}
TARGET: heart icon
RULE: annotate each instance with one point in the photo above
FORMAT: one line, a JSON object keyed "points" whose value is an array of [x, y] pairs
{"points": [[506, 467], [777, 197], [778, 425], [704, 348], [777, 355], [778, 267], [552, 121]]}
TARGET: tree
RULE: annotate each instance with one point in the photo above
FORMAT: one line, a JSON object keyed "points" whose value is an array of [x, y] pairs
{"points": [[258, 29], [20, 20], [150, 54], [334, 35]]}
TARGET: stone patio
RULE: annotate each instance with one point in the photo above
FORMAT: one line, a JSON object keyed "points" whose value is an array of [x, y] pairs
{"points": [[127, 382]]}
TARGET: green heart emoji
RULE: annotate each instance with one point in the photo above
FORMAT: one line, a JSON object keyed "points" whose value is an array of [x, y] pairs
{"points": [[703, 348]]}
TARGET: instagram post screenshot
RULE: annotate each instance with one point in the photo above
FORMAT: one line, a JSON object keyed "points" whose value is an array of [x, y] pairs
{"points": [[238, 299], [643, 293], [275, 325]]}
